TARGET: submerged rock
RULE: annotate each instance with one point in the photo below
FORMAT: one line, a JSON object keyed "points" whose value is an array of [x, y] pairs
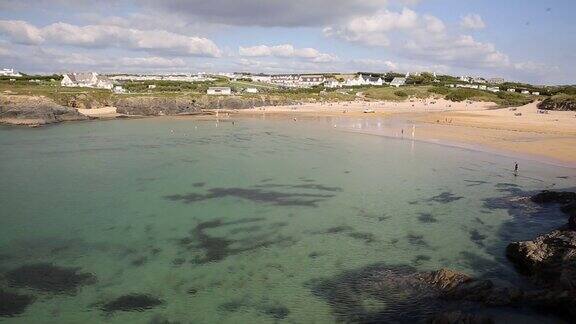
{"points": [[457, 317], [407, 295], [445, 279], [49, 278], [12, 304], [131, 303], [558, 197]]}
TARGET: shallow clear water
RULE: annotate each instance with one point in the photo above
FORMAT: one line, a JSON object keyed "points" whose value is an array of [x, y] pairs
{"points": [[235, 223]]}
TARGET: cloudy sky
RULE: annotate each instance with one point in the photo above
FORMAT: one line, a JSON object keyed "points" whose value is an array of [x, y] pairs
{"points": [[531, 41]]}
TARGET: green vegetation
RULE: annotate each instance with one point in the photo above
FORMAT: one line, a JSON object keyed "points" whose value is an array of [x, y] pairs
{"points": [[396, 94], [423, 86], [502, 99], [562, 101]]}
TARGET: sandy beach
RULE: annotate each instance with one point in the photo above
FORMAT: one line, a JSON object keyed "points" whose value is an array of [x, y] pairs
{"points": [[521, 131]]}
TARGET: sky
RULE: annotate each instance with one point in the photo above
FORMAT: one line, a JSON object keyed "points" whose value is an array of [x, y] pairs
{"points": [[520, 40]]}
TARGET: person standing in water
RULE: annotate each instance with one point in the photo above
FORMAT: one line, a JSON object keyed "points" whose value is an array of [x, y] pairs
{"points": [[515, 169]]}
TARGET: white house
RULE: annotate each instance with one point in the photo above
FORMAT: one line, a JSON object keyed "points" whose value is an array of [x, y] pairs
{"points": [[219, 91], [396, 82], [86, 80], [332, 83], [261, 78], [251, 90], [493, 89], [287, 80], [525, 92], [536, 93], [370, 80], [361, 80], [151, 86], [119, 90], [496, 80], [9, 72], [511, 90], [311, 80]]}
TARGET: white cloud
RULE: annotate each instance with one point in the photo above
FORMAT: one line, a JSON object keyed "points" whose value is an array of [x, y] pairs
{"points": [[374, 30], [472, 21], [155, 41], [421, 37], [152, 62], [21, 32], [287, 51]]}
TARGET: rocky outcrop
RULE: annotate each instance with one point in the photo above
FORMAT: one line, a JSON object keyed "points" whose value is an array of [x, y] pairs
{"points": [[155, 106], [558, 104], [158, 106], [34, 111], [549, 260]]}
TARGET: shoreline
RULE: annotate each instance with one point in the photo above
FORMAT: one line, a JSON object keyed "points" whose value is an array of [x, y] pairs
{"points": [[521, 132]]}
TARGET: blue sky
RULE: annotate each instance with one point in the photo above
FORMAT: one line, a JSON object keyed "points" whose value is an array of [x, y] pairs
{"points": [[531, 41]]}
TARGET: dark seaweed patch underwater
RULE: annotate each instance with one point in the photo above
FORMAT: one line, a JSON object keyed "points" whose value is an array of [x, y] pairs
{"points": [[49, 278], [13, 304]]}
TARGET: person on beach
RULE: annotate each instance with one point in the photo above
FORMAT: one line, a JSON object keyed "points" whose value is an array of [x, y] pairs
{"points": [[515, 169]]}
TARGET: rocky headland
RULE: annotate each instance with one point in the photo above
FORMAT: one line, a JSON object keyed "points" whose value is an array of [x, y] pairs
{"points": [[35, 111], [40, 110]]}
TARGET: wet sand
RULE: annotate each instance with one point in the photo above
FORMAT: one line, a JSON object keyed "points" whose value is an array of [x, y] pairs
{"points": [[521, 131]]}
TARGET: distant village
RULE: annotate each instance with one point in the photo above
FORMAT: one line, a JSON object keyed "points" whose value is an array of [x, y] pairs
{"points": [[287, 81]]}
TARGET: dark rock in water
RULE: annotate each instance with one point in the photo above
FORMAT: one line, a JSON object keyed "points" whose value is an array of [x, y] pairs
{"points": [[457, 317], [132, 303], [445, 279], [49, 278], [12, 304], [559, 197], [409, 296], [561, 302], [572, 222], [569, 209], [549, 258]]}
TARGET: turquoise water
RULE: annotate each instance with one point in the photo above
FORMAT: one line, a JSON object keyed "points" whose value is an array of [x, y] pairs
{"points": [[234, 223]]}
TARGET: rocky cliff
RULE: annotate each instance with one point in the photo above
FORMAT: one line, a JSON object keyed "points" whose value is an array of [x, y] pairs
{"points": [[156, 106], [34, 111]]}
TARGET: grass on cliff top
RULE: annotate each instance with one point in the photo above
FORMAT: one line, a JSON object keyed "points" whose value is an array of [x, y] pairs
{"points": [[396, 94], [97, 97]]}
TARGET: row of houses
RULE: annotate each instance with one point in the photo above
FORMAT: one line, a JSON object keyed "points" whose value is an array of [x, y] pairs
{"points": [[227, 91], [492, 89], [199, 77], [310, 80], [475, 86], [534, 93], [481, 80]]}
